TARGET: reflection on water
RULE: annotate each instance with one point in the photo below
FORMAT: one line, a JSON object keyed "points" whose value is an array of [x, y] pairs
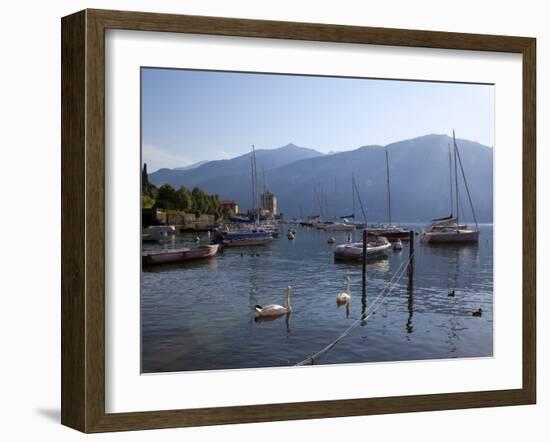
{"points": [[379, 264], [200, 315]]}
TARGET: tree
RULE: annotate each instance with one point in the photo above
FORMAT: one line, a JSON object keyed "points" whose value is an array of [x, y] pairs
{"points": [[215, 205], [144, 177], [200, 200], [166, 197], [147, 202], [184, 201], [146, 187]]}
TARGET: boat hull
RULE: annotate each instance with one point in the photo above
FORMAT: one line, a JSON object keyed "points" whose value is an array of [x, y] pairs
{"points": [[157, 233], [451, 236], [245, 238], [391, 234], [354, 251], [179, 255], [244, 242], [338, 228]]}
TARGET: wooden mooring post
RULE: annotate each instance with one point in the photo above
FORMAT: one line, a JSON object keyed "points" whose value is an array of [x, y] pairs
{"points": [[410, 267], [364, 274]]}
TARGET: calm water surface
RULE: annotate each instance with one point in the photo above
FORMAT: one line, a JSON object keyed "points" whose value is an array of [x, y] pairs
{"points": [[199, 316]]}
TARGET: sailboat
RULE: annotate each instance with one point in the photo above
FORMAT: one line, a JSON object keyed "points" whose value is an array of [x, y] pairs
{"points": [[377, 245], [449, 229], [322, 223], [390, 231], [350, 219], [250, 234]]}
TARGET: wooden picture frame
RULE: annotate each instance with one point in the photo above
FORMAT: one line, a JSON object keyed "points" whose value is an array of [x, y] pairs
{"points": [[83, 220]]}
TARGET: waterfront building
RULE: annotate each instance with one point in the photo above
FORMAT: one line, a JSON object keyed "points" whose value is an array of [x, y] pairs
{"points": [[230, 206], [268, 202]]}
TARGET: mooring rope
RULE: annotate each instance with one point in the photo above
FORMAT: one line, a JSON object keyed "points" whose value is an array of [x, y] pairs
{"points": [[364, 316]]}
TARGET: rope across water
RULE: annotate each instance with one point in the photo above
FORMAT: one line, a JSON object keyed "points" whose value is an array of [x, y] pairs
{"points": [[392, 283]]}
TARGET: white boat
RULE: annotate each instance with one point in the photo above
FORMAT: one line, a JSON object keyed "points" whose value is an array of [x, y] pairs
{"points": [[450, 235], [449, 229], [392, 232], [245, 238], [337, 227], [179, 255], [449, 221], [157, 233], [398, 245], [354, 251]]}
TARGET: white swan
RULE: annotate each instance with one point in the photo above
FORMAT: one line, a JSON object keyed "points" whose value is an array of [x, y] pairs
{"points": [[344, 297], [275, 309]]}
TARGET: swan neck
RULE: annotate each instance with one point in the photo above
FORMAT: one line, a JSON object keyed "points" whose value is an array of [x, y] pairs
{"points": [[287, 300]]}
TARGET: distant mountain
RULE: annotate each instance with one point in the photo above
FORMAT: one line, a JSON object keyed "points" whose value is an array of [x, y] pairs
{"points": [[239, 167], [305, 180], [191, 166]]}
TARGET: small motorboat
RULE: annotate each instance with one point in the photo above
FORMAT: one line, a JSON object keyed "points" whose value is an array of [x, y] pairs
{"points": [[289, 234], [391, 232], [245, 238], [179, 255], [157, 233], [331, 226], [398, 245], [331, 240], [354, 251]]}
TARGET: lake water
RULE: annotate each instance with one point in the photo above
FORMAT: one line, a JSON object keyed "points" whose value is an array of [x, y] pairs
{"points": [[199, 316]]}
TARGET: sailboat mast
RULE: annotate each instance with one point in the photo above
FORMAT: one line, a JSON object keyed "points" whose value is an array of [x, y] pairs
{"points": [[360, 202], [388, 185], [466, 185], [353, 194], [451, 179], [255, 184], [252, 182], [317, 190], [456, 181]]}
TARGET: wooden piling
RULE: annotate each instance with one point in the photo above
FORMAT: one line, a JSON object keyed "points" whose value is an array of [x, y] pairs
{"points": [[410, 267], [364, 272]]}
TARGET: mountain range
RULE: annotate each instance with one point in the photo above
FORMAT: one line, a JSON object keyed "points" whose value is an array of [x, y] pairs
{"points": [[309, 182]]}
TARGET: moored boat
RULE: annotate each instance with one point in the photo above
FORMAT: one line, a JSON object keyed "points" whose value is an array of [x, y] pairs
{"points": [[450, 234], [179, 255], [157, 233], [398, 245], [449, 229], [337, 227], [376, 247], [250, 238], [391, 232]]}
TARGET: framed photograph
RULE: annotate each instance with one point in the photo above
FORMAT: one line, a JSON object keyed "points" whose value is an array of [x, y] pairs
{"points": [[269, 220]]}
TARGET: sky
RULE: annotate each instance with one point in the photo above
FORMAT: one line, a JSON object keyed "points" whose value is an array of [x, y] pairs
{"points": [[189, 116]]}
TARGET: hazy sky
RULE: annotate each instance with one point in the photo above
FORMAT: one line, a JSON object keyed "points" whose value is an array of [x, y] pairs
{"points": [[190, 116]]}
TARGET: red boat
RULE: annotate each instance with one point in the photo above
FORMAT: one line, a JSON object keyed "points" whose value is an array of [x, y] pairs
{"points": [[179, 255]]}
